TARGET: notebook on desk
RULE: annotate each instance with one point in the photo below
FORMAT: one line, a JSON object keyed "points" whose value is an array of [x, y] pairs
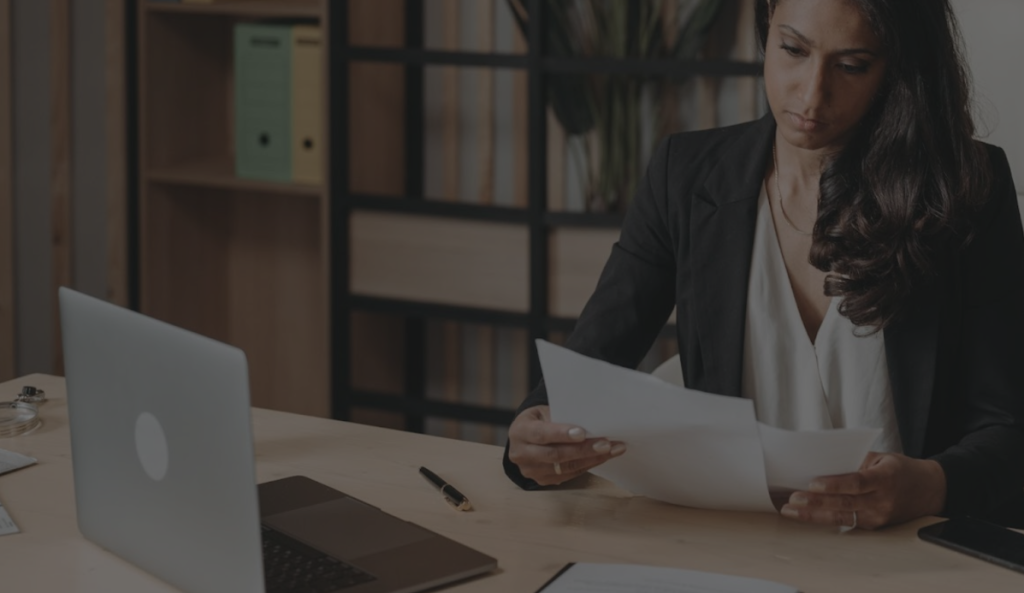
{"points": [[164, 476]]}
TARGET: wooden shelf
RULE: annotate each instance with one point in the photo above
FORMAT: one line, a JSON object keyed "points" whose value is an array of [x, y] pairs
{"points": [[289, 9], [219, 175], [243, 261]]}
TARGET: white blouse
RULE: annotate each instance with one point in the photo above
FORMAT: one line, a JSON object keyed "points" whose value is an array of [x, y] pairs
{"points": [[841, 380]]}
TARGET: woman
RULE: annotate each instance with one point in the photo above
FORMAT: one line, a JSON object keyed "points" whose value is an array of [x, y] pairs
{"points": [[854, 259]]}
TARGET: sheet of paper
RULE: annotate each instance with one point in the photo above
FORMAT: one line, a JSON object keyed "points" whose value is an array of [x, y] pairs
{"points": [[7, 525], [793, 459], [10, 461], [632, 578], [684, 447]]}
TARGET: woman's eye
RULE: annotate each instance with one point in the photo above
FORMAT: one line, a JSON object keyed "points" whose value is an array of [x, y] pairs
{"points": [[853, 68], [793, 51]]}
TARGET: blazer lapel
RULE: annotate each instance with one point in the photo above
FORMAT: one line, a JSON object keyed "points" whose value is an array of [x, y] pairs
{"points": [[723, 218]]}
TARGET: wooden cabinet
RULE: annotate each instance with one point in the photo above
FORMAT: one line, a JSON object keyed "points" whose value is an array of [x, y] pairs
{"points": [[238, 260]]}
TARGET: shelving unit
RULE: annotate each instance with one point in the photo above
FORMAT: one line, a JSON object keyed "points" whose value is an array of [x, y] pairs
{"points": [[243, 261], [330, 289]]}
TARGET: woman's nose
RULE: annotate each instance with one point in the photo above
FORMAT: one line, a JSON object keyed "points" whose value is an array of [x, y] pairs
{"points": [[815, 88]]}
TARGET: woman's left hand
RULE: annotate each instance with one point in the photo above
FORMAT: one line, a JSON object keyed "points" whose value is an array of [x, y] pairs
{"points": [[887, 489]]}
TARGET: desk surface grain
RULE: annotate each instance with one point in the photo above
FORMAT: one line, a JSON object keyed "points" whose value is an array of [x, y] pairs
{"points": [[532, 534]]}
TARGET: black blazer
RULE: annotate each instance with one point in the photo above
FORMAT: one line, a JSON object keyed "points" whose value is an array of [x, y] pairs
{"points": [[956, 358]]}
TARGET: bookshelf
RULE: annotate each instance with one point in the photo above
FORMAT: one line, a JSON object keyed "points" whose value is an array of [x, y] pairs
{"points": [[240, 260], [345, 295]]}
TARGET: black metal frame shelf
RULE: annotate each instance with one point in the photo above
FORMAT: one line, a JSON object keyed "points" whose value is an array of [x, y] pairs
{"points": [[421, 206], [661, 68], [427, 57], [481, 212], [427, 407], [423, 310], [598, 220], [566, 325], [307, 9], [539, 68]]}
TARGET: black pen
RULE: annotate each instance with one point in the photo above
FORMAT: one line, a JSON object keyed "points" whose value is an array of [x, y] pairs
{"points": [[451, 495]]}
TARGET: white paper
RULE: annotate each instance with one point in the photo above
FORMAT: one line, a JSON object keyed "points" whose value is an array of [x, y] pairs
{"points": [[687, 447], [684, 446], [793, 459], [7, 525], [632, 578], [10, 461]]}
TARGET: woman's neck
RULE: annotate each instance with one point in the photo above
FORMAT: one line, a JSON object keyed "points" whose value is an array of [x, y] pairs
{"points": [[799, 170]]}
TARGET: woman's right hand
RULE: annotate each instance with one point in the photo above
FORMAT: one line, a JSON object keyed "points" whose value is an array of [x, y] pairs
{"points": [[550, 453]]}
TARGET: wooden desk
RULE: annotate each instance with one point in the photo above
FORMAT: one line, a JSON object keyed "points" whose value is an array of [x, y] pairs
{"points": [[532, 534]]}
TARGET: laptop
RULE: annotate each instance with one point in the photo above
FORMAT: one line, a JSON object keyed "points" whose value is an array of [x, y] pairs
{"points": [[164, 476]]}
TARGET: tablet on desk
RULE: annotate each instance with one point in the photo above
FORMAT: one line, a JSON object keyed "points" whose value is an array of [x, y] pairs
{"points": [[980, 539]]}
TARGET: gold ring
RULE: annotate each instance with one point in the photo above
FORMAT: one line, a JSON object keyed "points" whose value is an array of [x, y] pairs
{"points": [[558, 468]]}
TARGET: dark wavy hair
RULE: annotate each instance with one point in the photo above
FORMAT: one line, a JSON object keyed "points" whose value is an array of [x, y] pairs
{"points": [[912, 175]]}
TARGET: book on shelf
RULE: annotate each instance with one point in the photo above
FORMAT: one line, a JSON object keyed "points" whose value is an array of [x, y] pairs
{"points": [[263, 101], [278, 102], [307, 104]]}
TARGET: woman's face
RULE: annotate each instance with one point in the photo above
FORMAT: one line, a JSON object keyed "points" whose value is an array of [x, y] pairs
{"points": [[823, 68]]}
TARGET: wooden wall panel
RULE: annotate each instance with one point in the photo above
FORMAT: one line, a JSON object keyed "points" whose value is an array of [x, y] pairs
{"points": [[115, 117], [464, 263], [7, 366], [60, 160]]}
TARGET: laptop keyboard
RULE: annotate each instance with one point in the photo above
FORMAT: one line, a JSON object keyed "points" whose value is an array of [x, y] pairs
{"points": [[289, 566]]}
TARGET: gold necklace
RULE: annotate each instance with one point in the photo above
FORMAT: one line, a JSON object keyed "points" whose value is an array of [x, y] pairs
{"points": [[778, 190]]}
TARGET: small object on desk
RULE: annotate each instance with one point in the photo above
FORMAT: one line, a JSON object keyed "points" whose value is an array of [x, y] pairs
{"points": [[636, 578], [31, 395], [451, 495], [10, 461], [7, 525], [18, 418]]}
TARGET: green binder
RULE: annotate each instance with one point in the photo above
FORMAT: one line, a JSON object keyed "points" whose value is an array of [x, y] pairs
{"points": [[263, 134]]}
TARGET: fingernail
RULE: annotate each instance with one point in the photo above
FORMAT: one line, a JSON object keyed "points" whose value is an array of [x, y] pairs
{"points": [[619, 449], [798, 499], [576, 433], [790, 512], [602, 446], [816, 486]]}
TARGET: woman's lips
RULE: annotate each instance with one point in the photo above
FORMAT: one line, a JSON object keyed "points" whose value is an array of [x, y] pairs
{"points": [[805, 124]]}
